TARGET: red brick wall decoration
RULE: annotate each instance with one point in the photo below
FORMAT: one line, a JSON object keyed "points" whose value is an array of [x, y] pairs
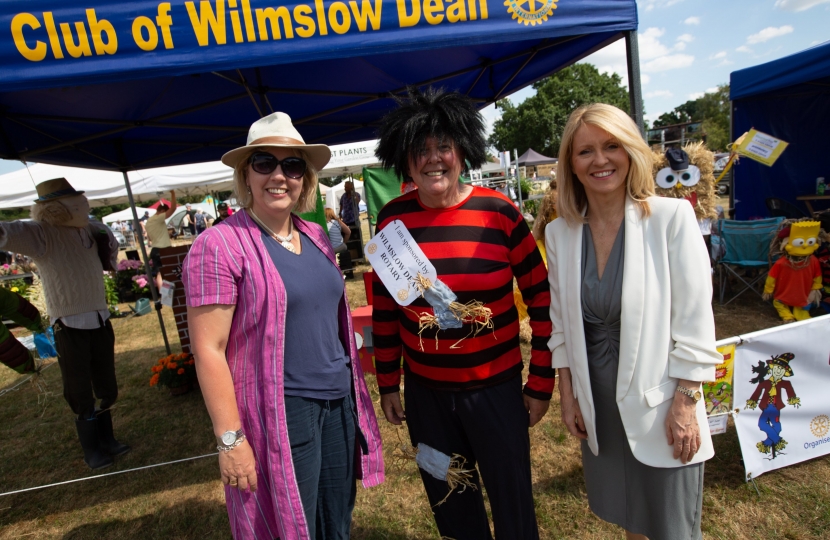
{"points": [[172, 259]]}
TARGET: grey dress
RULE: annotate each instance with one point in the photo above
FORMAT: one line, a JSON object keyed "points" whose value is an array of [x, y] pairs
{"points": [[663, 504]]}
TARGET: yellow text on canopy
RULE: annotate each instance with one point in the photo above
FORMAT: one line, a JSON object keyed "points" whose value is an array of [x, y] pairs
{"points": [[219, 22]]}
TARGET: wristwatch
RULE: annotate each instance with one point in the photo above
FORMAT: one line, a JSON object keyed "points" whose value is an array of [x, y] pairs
{"points": [[694, 394], [229, 440]]}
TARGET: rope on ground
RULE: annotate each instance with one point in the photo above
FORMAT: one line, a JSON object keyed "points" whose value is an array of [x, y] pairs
{"points": [[107, 474]]}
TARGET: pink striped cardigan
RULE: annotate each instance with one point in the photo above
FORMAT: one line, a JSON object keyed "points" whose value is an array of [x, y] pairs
{"points": [[229, 264]]}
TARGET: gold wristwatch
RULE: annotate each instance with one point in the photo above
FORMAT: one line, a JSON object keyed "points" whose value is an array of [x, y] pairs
{"points": [[694, 394]]}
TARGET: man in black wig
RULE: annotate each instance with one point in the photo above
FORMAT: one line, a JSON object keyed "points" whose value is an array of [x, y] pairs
{"points": [[463, 390]]}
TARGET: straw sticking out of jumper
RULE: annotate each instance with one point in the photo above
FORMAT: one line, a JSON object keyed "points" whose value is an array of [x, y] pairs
{"points": [[447, 313]]}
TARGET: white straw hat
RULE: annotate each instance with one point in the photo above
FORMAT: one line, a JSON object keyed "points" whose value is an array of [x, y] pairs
{"points": [[277, 131]]}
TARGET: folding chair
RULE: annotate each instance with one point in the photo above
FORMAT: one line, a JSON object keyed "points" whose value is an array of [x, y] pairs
{"points": [[745, 246]]}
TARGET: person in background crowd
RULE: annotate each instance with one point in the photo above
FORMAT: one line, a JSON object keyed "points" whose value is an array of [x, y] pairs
{"points": [[191, 219], [339, 234], [156, 228], [349, 205], [275, 350], [145, 217], [633, 330], [185, 223], [463, 390], [222, 208], [201, 222], [71, 254]]}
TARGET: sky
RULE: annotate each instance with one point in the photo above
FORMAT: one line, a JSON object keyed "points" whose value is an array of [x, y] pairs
{"points": [[689, 47]]}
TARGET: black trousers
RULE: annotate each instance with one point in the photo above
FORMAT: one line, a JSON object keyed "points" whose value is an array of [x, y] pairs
{"points": [[489, 427], [87, 361]]}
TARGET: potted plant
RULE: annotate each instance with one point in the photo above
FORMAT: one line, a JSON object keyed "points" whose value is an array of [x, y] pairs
{"points": [[124, 283], [177, 372], [140, 287]]}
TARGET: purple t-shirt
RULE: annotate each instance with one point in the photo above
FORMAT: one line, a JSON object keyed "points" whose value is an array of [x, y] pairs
{"points": [[316, 364]]}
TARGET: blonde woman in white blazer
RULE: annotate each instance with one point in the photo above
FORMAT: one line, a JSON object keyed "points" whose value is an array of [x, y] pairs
{"points": [[633, 331]]}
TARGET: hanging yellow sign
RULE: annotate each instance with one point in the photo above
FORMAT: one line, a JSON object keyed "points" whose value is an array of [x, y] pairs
{"points": [[761, 147]]}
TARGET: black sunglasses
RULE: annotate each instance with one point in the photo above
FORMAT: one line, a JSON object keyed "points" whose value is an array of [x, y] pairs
{"points": [[265, 163]]}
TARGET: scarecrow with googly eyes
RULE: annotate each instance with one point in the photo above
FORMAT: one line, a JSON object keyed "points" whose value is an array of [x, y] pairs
{"points": [[688, 173], [794, 282]]}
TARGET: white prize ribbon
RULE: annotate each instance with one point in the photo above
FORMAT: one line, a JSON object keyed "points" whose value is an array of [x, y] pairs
{"points": [[398, 259]]}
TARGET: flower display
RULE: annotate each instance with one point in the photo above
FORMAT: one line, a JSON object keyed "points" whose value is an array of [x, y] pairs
{"points": [[128, 264], [140, 284], [174, 371]]}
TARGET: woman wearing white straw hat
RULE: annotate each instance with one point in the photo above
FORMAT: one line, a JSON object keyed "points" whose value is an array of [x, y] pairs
{"points": [[275, 352]]}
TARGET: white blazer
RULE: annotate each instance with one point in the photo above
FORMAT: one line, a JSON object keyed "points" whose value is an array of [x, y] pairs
{"points": [[667, 327]]}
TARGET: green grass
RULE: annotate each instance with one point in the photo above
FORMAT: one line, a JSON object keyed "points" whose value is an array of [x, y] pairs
{"points": [[185, 501]]}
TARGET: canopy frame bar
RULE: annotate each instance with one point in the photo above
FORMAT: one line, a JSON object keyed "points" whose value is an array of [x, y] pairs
{"points": [[139, 236], [369, 98], [53, 137], [126, 128], [635, 90]]}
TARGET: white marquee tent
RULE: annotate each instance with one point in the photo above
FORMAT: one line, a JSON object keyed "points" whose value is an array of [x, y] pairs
{"points": [[17, 189]]}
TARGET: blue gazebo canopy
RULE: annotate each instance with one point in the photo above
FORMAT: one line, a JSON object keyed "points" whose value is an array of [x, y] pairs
{"points": [[788, 98], [125, 85]]}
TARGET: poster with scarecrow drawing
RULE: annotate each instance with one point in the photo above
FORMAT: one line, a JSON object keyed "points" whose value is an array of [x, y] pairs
{"points": [[781, 376]]}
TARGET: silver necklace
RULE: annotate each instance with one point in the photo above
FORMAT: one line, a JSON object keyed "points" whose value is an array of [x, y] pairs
{"points": [[284, 241]]}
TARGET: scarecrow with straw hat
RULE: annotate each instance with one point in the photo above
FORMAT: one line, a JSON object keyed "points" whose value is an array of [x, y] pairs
{"points": [[772, 401], [71, 255]]}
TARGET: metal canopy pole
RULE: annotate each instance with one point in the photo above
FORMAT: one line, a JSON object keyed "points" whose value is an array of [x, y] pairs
{"points": [[635, 89], [518, 182], [150, 281]]}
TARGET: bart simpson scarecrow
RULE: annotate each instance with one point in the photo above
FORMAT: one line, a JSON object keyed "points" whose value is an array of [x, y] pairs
{"points": [[794, 282], [772, 402]]}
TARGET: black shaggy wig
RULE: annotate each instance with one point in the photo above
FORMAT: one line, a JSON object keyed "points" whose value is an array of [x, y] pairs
{"points": [[431, 113]]}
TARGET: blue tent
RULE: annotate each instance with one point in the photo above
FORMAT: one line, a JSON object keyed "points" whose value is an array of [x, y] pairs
{"points": [[789, 99], [128, 85], [125, 85]]}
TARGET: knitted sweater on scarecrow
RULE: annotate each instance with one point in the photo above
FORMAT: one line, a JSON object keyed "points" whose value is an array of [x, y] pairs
{"points": [[68, 260]]}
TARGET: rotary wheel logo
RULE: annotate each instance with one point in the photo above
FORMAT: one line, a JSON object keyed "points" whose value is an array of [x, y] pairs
{"points": [[820, 425], [403, 294], [531, 12], [371, 248]]}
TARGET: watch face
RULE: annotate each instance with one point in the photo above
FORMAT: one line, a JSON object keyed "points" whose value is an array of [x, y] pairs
{"points": [[229, 437], [698, 395]]}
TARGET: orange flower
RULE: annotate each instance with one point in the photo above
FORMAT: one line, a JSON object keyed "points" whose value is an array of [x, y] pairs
{"points": [[154, 380], [172, 365], [181, 371]]}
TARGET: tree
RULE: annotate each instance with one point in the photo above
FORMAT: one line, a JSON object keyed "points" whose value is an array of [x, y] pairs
{"points": [[539, 120], [712, 109]]}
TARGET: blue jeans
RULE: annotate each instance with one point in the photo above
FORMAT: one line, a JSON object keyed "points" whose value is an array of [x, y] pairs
{"points": [[769, 423], [322, 435]]}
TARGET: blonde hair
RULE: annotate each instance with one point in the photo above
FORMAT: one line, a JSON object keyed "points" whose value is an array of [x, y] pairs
{"points": [[308, 197], [330, 215], [52, 212], [572, 200]]}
